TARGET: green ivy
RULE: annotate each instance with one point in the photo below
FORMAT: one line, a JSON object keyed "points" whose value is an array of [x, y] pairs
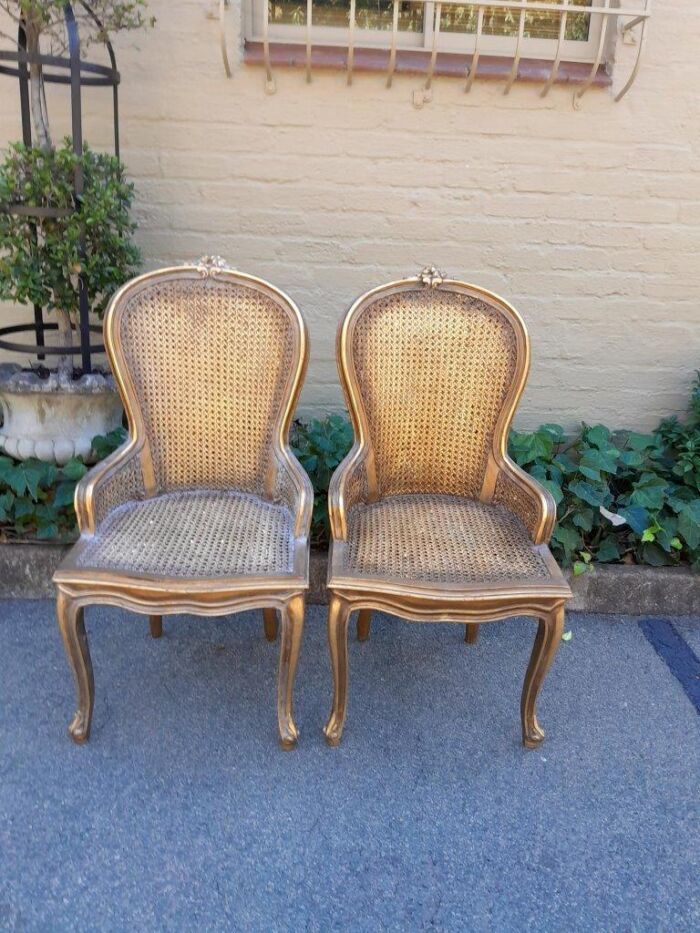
{"points": [[320, 446], [36, 498], [626, 496], [621, 497]]}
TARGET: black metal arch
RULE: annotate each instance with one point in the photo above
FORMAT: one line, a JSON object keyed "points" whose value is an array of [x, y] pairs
{"points": [[78, 73]]}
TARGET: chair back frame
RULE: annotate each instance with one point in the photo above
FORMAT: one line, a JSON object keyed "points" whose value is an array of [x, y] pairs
{"points": [[351, 385], [207, 269]]}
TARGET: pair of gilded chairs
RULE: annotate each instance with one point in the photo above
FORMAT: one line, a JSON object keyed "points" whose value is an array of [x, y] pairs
{"points": [[205, 509]]}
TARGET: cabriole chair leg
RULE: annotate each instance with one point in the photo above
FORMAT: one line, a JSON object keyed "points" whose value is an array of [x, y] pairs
{"points": [[364, 620], [156, 626], [549, 632], [292, 618], [471, 632], [338, 616], [72, 625], [270, 623]]}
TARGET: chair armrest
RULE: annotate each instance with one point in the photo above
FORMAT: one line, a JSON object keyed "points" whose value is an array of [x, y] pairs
{"points": [[116, 479], [348, 487], [293, 488], [533, 504]]}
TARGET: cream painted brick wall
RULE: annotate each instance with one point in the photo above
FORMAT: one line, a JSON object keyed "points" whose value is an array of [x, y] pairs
{"points": [[587, 220]]}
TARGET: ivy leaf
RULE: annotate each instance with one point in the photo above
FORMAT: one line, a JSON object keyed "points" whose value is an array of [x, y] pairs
{"points": [[527, 448], [588, 493], [689, 524], [631, 458], [583, 519], [75, 469], [599, 436], [590, 472], [565, 464], [33, 476], [11, 474], [555, 490], [603, 461], [653, 555], [105, 444], [24, 507], [649, 491], [636, 517], [568, 538], [641, 441], [608, 550], [47, 532], [64, 495], [555, 431]]}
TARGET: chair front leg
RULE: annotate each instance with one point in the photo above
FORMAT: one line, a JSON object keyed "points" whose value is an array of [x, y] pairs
{"points": [[549, 632], [270, 623], [72, 625], [338, 616], [292, 618], [156, 626], [471, 632]]}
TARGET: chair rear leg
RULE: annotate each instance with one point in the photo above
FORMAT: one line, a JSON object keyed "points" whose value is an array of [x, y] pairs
{"points": [[471, 632], [270, 623], [156, 626], [292, 618], [364, 620], [72, 625], [338, 617], [549, 632]]}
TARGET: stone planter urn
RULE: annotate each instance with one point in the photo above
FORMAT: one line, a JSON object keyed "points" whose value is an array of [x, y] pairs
{"points": [[55, 418]]}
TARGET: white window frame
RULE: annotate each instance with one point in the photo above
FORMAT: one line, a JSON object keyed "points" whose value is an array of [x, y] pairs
{"points": [[459, 42]]}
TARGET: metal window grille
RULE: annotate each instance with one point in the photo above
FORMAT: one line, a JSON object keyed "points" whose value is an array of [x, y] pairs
{"points": [[601, 12]]}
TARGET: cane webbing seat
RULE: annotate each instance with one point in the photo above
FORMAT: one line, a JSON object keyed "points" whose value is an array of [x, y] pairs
{"points": [[202, 533], [204, 509], [435, 540], [430, 519]]}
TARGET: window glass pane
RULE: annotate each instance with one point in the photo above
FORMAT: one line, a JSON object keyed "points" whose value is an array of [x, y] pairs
{"points": [[369, 14], [502, 22]]}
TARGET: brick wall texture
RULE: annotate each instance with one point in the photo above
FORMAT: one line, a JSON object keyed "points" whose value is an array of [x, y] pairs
{"points": [[587, 220]]}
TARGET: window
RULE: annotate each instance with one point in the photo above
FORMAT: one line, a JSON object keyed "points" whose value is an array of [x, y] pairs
{"points": [[572, 41], [415, 26]]}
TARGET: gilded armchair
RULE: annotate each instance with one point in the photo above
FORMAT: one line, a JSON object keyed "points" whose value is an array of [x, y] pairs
{"points": [[430, 519], [204, 509]]}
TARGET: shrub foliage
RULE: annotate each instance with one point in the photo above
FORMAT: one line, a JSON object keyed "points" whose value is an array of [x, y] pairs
{"points": [[621, 497], [40, 256]]}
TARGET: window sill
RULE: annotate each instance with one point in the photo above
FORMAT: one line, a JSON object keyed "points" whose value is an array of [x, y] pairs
{"points": [[415, 62]]}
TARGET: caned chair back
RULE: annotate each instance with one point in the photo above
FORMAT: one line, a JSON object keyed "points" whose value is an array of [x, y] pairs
{"points": [[209, 363], [432, 371]]}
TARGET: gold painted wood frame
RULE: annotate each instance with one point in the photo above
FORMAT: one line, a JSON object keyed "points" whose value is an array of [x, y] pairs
{"points": [[388, 473], [256, 474]]}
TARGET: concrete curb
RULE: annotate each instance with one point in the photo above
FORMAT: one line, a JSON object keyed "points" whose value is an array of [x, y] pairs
{"points": [[26, 571]]}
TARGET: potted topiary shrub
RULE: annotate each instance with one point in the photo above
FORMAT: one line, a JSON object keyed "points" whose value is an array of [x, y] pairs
{"points": [[54, 413], [66, 241]]}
